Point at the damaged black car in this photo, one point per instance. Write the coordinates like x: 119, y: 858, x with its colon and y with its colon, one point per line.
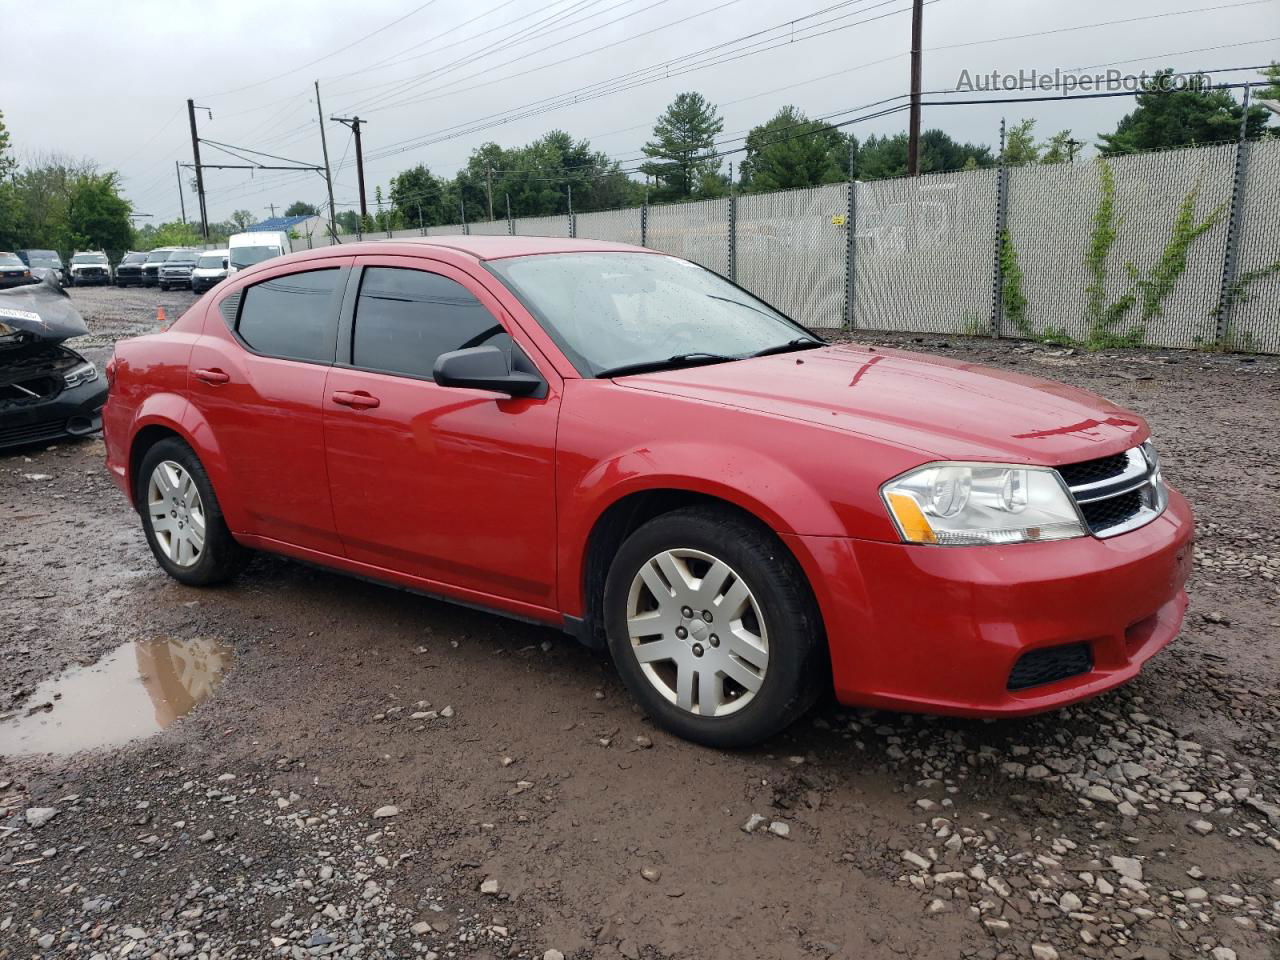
x: 47, y: 390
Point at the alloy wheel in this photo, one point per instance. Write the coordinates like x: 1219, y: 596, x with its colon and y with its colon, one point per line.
x: 698, y: 632
x: 176, y: 512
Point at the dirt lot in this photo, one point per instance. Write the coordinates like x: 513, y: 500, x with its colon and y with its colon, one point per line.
x: 537, y: 812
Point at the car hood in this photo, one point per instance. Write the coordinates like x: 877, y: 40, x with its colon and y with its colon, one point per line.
x: 43, y: 310
x: 945, y: 408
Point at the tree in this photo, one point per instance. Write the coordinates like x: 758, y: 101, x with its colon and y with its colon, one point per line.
x: 348, y: 221
x: 98, y: 217
x: 10, y: 207
x: 881, y: 157
x: 300, y: 208
x: 683, y: 138
x: 1173, y: 113
x: 242, y: 220
x: 174, y: 233
x: 790, y: 150
x: 1020, y: 145
x: 418, y: 194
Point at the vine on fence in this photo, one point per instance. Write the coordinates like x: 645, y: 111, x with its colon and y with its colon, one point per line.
x: 1148, y: 292
x: 1012, y: 300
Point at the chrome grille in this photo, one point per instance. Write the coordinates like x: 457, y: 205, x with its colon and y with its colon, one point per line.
x: 1118, y: 493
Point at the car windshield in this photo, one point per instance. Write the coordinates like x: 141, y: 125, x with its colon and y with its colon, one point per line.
x: 134, y: 258
x: 615, y: 313
x: 218, y: 262
x: 88, y: 258
x: 242, y: 257
x: 44, y: 258
x: 10, y: 260
x: 180, y: 258
x: 158, y: 256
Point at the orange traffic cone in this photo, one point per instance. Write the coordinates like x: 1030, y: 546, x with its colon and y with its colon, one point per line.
x: 160, y: 320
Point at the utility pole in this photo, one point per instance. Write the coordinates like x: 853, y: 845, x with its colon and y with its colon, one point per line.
x: 182, y: 201
x: 1072, y: 145
x: 328, y: 175
x: 272, y: 208
x: 354, y: 124
x: 488, y: 175
x: 913, y: 137
x: 195, y: 152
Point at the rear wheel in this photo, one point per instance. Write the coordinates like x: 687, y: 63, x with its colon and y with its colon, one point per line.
x: 182, y: 519
x: 713, y: 627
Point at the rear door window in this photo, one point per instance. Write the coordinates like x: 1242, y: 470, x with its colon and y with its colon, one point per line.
x: 406, y: 318
x: 292, y: 316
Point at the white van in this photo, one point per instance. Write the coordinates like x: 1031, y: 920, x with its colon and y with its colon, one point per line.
x: 246, y: 249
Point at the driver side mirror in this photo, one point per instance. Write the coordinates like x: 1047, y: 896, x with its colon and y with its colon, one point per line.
x: 483, y: 368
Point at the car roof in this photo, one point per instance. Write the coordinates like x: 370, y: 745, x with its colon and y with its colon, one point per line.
x: 475, y: 247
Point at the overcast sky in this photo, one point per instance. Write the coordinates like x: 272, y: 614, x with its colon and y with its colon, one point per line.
x: 109, y: 81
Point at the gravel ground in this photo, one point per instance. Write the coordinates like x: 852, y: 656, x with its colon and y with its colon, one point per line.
x: 381, y: 775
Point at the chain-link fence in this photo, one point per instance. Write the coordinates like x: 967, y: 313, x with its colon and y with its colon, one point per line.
x: 1178, y: 248
x: 697, y: 231
x: 491, y: 228
x: 1057, y: 214
x: 557, y: 226
x: 923, y: 254
x: 617, y: 226
x: 789, y: 249
x: 1252, y: 320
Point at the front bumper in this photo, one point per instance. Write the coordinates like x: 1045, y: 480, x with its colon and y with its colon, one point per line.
x: 90, y: 279
x: 75, y: 412
x: 940, y: 629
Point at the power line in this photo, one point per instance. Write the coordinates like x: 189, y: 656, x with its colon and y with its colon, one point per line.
x: 406, y: 85
x: 632, y: 79
x: 310, y: 63
x: 783, y: 28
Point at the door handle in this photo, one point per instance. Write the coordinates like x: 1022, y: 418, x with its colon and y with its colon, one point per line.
x: 212, y: 376
x: 355, y: 398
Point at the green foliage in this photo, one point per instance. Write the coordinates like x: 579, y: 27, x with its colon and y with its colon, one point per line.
x: 300, y: 208
x: 683, y: 138
x: 98, y: 217
x: 1149, y: 292
x: 174, y: 233
x: 1238, y: 290
x: 1013, y: 301
x: 348, y: 221
x: 1020, y: 145
x: 1101, y: 239
x: 790, y: 151
x: 419, y: 196
x: 242, y: 220
x: 879, y: 158
x: 1159, y: 283
x: 1196, y: 114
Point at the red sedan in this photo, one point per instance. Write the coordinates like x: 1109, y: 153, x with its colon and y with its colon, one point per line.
x: 622, y: 444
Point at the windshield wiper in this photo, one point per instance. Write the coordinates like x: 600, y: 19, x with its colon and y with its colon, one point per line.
x: 799, y: 343
x: 670, y: 363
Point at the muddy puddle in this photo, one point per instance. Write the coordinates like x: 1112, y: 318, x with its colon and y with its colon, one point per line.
x: 136, y: 690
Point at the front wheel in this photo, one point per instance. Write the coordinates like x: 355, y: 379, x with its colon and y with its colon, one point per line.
x: 713, y: 627
x: 182, y: 518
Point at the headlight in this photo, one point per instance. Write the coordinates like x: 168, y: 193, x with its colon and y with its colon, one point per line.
x: 1159, y: 490
x: 957, y: 504
x: 81, y: 373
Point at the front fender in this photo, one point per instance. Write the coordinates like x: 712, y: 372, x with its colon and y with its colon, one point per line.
x: 765, y: 488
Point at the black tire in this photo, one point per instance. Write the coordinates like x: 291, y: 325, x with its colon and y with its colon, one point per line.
x: 222, y: 558
x: 798, y: 665
x: 164, y: 287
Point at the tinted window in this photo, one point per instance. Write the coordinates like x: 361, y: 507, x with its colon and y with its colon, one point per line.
x: 291, y: 316
x: 407, y: 318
